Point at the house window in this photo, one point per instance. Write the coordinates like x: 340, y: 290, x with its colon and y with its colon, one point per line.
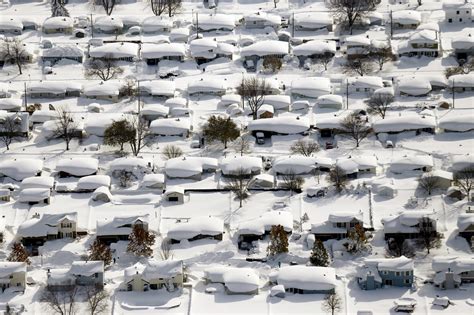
x: 397, y: 273
x: 457, y: 12
x: 18, y: 284
x: 66, y: 225
x: 385, y: 272
x: 129, y: 287
x: 407, y: 273
x: 173, y: 199
x: 460, y: 20
x: 96, y: 275
x: 407, y: 281
x: 153, y: 286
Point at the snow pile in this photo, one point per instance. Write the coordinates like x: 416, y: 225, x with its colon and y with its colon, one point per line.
x: 184, y: 167
x: 311, y: 87
x: 11, y: 104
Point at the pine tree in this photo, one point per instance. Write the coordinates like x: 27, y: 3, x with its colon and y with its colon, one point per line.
x: 18, y: 254
x: 278, y: 241
x: 358, y: 241
x: 100, y: 251
x: 319, y: 255
x: 140, y: 242
x: 220, y: 129
x: 58, y: 8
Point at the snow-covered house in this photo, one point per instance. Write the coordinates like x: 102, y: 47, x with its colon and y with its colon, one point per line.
x: 406, y: 19
x: 34, y: 196
x: 420, y: 43
x: 154, y: 111
x: 58, y: 24
x: 458, y: 11
x: 256, y: 229
x: 313, y: 21
x: 215, y: 22
x: 119, y: 51
x: 452, y: 271
x: 156, y: 24
x: 278, y: 102
x: 154, y: 275
x: 174, y: 194
x: 409, y: 163
x: 460, y: 162
x: 212, y: 86
x: 81, y: 273
x: 235, y: 280
x: 118, y: 228
x: 466, y: 227
x: 413, y: 85
x: 62, y: 52
x: 315, y: 49
x: 77, y: 167
x: 152, y: 54
x: 38, y: 182
x: 306, y: 279
x: 171, y: 127
x: 407, y: 224
x: 463, y: 47
x: 241, y: 165
x: 330, y: 101
x: 108, y: 24
x: 11, y: 25
x: 92, y: 182
x: 190, y: 167
x: 11, y: 104
x: 366, y: 84
x: 20, y: 127
x: 357, y: 46
x: 279, y: 126
x: 196, y: 228
x: 54, y: 89
x: 206, y: 49
x: 337, y: 226
x: 262, y: 20
x: 158, y: 88
x: 258, y: 51
x: 444, y: 179
x: 398, y: 124
x: 462, y: 82
x: 36, y: 231
x: 311, y: 87
x: 19, y: 169
x: 153, y: 181
x: 297, y: 164
x: 380, y: 272
x: 12, y: 276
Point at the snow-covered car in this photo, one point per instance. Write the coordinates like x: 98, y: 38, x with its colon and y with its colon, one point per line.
x: 389, y: 144
x: 260, y: 138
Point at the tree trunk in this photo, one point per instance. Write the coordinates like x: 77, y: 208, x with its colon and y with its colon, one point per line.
x: 19, y: 67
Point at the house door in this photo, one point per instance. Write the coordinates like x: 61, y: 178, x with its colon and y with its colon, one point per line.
x: 388, y: 282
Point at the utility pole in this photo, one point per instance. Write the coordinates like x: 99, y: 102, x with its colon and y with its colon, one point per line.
x: 197, y: 25
x: 25, y: 96
x: 138, y: 96
x: 92, y: 27
x: 293, y: 25
x: 453, y: 92
x: 347, y: 93
x: 391, y: 25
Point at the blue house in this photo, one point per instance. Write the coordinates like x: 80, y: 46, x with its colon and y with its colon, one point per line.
x: 382, y: 272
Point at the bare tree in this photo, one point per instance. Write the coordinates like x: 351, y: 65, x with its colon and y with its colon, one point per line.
x: 355, y: 128
x: 97, y: 300
x: 381, y: 55
x: 62, y: 301
x: 173, y: 7
x: 104, y: 68
x: 158, y: 7
x: 429, y: 238
x: 325, y: 59
x: 399, y: 246
x: 292, y: 182
x: 332, y: 303
x: 239, y: 185
x: 172, y: 151
x: 165, y: 6
x: 253, y: 90
x: 378, y: 104
x: 129, y: 88
x: 166, y: 250
x: 351, y: 11
x: 338, y: 178
x: 272, y: 63
x: 465, y: 68
x: 142, y: 133
x: 9, y: 129
x: 304, y: 147
x: 360, y: 66
x: 428, y: 183
x: 13, y: 50
x: 465, y: 180
x: 66, y: 126
x: 242, y: 145
x: 108, y: 5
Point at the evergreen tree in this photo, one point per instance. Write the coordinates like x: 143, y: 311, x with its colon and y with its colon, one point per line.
x: 141, y: 242
x: 278, y: 241
x: 319, y: 255
x: 358, y: 241
x: 18, y: 254
x: 58, y: 8
x: 119, y: 133
x: 220, y: 129
x: 100, y: 251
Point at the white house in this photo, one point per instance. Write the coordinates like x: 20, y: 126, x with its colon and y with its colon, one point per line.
x: 12, y: 276
x: 62, y: 52
x: 306, y: 279
x: 420, y: 43
x: 413, y: 85
x: 462, y: 82
x: 108, y: 90
x: 19, y: 169
x: 279, y: 125
x: 53, y: 89
x: 311, y: 87
x: 315, y: 49
x: 407, y: 224
x: 452, y: 271
x: 366, y: 84
x: 158, y: 88
x: 155, y: 275
x: 208, y: 85
x: 171, y: 127
x: 11, y: 25
x: 458, y: 11
x: 410, y: 163
x: 119, y: 228
x: 58, y: 24
x: 92, y: 182
x: 262, y: 20
x: 330, y: 101
x: 357, y: 46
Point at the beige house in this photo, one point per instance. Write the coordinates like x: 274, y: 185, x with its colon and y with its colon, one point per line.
x: 154, y: 276
x: 174, y: 194
x: 12, y: 275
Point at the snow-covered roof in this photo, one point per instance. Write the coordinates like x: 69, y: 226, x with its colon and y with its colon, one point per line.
x: 423, y: 36
x: 203, y: 47
x: 229, y: 99
x: 413, y: 85
x: 247, y: 164
x: 7, y: 268
x: 268, y: 18
x: 58, y: 22
x: 152, y: 51
x: 296, y: 164
x: 43, y: 115
x: 174, y: 190
x: 114, y: 50
x: 189, y: 166
x: 282, y: 125
x: 357, y: 40
x: 37, y: 182
x: 457, y: 120
x: 19, y: 169
x: 462, y: 80
x: 155, y: 110
x: 207, y: 85
x: 176, y: 102
x: 403, y: 123
x: 82, y: 166
x: 87, y: 268
x: 456, y: 4
x: 97, y: 123
x: 264, y: 48
x: 129, y: 164
x: 401, y: 263
x: 63, y: 51
x: 216, y: 21
x: 155, y: 24
x: 366, y: 82
x: 313, y: 19
x: 119, y: 225
x: 108, y: 23
x: 93, y: 182
x: 162, y: 269
x: 241, y: 280
x: 330, y: 99
x: 152, y: 179
x: 318, y: 47
x: 460, y: 162
x: 107, y: 88
x: 405, y: 222
x: 170, y: 126
x: 44, y: 225
x: 410, y: 163
x: 10, y: 24
x: 463, y: 42
x: 55, y: 87
x: 465, y: 220
x: 34, y: 194
x: 454, y: 263
x: 307, y: 277
x: 205, y: 225
x: 311, y: 86
x: 406, y: 17
x: 280, y: 101
x: 11, y: 104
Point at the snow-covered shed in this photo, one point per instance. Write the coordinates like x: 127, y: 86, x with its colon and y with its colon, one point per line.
x: 452, y: 271
x: 406, y: 19
x: 156, y: 24
x: 152, y: 54
x: 306, y: 279
x: 410, y: 163
x: 312, y: 87
x: 108, y: 24
x: 171, y: 127
x: 462, y: 82
x: 279, y: 125
x: 58, y: 24
x: 119, y: 228
x: 262, y: 20
x: 92, y: 182
x: 62, y: 52
x: 174, y: 194
x: 190, y: 167
x: 158, y: 88
x: 216, y: 22
x: 365, y: 84
x: 466, y: 227
x: 19, y: 169
x: 235, y: 280
x: 196, y: 228
x: 108, y: 90
x: 54, y: 89
x: 153, y: 181
x: 407, y: 224
x: 77, y: 167
x: 397, y: 124
x: 240, y: 165
x: 11, y: 25
x: 117, y: 50
x: 313, y: 21
x: 208, y: 85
